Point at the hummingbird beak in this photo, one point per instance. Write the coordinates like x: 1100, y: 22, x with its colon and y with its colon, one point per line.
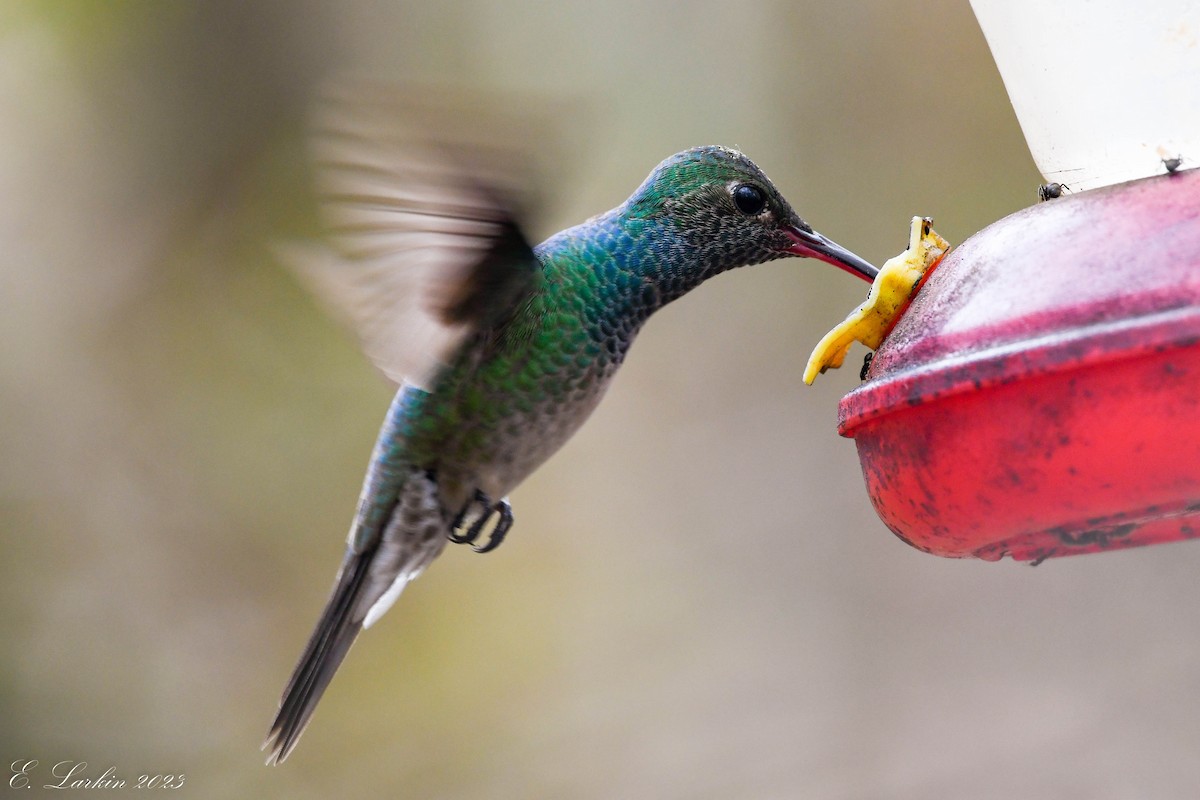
x: 810, y: 244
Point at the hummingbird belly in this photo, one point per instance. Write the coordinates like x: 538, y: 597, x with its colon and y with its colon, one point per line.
x: 493, y: 452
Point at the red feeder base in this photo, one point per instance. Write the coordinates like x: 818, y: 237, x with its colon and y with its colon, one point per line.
x: 1041, y: 395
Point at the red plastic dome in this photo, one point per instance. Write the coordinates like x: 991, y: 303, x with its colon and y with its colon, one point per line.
x: 1041, y: 395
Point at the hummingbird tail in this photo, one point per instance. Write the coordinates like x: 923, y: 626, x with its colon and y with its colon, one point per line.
x: 328, y: 645
x: 374, y: 572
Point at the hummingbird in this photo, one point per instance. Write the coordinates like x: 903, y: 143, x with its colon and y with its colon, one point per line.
x: 502, y: 349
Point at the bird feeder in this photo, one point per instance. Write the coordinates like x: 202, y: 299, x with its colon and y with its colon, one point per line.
x: 1041, y: 395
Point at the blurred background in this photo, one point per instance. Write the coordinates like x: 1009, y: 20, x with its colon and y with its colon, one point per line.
x: 697, y: 600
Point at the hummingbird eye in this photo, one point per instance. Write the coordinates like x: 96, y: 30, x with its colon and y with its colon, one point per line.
x: 749, y: 199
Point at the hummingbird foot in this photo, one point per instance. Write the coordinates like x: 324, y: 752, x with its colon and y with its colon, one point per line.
x: 504, y: 521
x: 470, y: 522
x: 467, y: 526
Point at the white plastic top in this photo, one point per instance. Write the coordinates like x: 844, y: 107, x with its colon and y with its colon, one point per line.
x: 1105, y: 90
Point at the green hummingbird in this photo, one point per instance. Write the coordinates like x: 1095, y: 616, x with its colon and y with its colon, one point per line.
x: 501, y: 349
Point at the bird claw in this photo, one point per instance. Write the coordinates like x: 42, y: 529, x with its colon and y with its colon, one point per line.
x: 504, y: 510
x: 472, y: 533
x: 501, y: 510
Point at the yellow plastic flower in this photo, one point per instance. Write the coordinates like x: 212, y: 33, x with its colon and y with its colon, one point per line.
x: 890, y: 294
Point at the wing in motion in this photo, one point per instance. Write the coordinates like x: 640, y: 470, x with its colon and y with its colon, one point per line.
x: 423, y: 246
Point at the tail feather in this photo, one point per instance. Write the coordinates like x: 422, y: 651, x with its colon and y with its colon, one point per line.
x: 373, y: 573
x: 328, y: 645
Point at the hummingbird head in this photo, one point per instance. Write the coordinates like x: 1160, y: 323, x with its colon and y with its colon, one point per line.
x: 717, y: 210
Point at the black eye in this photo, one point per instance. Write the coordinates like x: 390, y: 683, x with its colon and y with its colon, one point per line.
x: 748, y: 199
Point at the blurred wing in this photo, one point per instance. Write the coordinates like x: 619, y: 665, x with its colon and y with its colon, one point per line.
x: 422, y: 245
